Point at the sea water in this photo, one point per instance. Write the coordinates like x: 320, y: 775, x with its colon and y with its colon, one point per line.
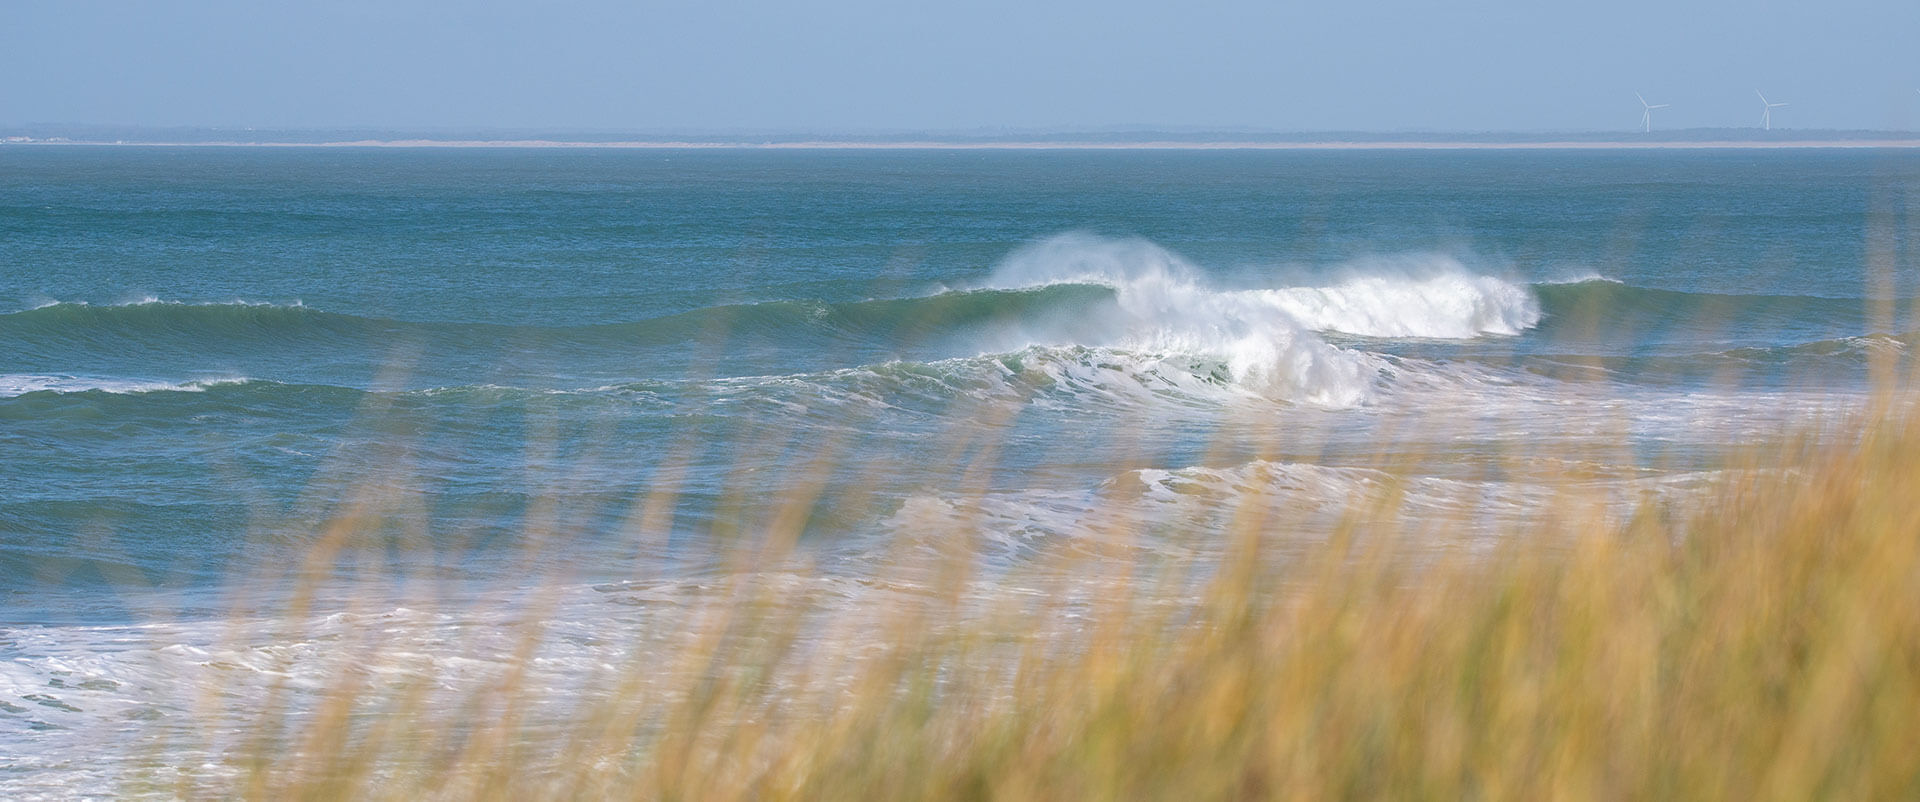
x: 211, y: 356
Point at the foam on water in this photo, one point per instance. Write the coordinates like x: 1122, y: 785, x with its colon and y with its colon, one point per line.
x: 18, y: 384
x: 1579, y: 277
x: 129, y: 710
x: 1161, y: 510
x: 1070, y: 377
x: 1266, y: 337
x: 1406, y: 295
x: 155, y: 300
x: 1444, y: 303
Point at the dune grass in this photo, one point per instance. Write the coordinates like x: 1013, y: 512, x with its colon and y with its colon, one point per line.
x: 1758, y: 641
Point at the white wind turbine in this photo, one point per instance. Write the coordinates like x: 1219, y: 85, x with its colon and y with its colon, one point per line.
x: 1766, y: 114
x: 1646, y: 112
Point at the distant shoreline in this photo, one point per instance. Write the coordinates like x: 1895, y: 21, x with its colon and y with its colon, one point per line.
x: 1857, y: 144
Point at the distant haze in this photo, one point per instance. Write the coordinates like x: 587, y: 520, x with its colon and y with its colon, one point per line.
x: 868, y: 65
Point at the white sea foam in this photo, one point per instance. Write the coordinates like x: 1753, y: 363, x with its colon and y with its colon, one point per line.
x: 18, y: 384
x: 155, y: 300
x: 1438, y: 299
x: 1265, y: 336
x: 1579, y: 277
x: 1406, y: 295
x: 151, y: 300
x: 86, y: 710
x: 1159, y: 510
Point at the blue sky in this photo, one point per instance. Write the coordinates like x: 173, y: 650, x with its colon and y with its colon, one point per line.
x: 869, y: 65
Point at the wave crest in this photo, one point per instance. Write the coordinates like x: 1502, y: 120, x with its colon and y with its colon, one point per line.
x: 1409, y: 295
x: 19, y: 384
x: 1267, y: 337
x: 1450, y: 303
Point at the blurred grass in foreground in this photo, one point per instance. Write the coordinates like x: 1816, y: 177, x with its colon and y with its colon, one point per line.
x: 1761, y: 641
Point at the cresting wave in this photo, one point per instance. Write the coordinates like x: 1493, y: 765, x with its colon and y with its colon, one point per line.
x: 13, y: 385
x: 1074, y: 317
x: 1266, y: 337
x: 1406, y: 296
x: 1599, y: 305
x: 1087, y: 303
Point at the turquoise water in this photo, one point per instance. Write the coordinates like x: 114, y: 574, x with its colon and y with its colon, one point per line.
x: 193, y: 338
x: 207, y: 353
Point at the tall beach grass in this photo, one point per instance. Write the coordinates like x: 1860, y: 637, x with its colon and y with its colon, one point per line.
x: 1758, y: 640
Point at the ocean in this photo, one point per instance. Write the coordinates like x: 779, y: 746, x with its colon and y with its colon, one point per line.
x: 610, y: 370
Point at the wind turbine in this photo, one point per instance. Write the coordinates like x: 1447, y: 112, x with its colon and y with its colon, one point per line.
x: 1766, y: 114
x: 1646, y: 112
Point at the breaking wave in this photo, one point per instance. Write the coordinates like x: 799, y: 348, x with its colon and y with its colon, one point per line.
x: 1267, y: 338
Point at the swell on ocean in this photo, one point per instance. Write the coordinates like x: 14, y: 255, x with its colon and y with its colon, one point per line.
x: 724, y: 469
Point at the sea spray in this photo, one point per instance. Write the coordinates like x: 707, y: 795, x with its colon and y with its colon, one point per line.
x: 1266, y: 337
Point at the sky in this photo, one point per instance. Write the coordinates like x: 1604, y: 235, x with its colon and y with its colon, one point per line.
x: 825, y: 66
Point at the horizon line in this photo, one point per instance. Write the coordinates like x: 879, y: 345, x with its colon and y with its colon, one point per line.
x: 1907, y: 142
